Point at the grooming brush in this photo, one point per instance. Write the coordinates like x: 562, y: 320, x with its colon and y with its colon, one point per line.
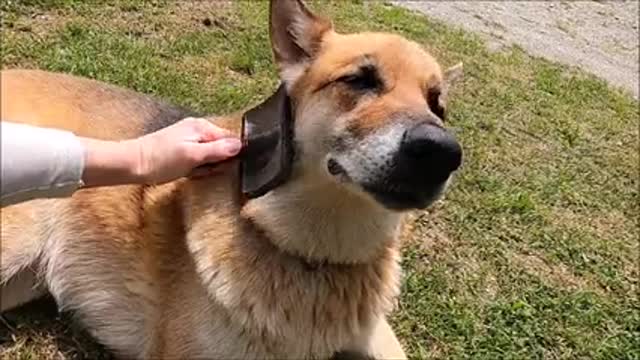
x: 267, y: 151
x: 267, y: 136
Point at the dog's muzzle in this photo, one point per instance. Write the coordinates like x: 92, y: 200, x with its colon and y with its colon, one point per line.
x: 420, y: 169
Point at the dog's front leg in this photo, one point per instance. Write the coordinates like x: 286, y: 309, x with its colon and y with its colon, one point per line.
x: 381, y: 344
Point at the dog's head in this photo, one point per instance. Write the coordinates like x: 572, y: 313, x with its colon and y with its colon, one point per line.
x: 369, y: 109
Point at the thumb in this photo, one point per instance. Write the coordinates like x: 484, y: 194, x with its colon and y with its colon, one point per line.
x: 219, y: 150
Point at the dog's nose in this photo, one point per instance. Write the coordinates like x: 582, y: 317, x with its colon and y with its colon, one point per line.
x: 431, y: 151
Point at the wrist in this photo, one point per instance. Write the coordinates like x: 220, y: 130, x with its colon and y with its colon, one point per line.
x: 112, y: 162
x: 133, y: 164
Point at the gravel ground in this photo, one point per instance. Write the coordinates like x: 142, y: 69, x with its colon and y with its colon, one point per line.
x: 598, y: 36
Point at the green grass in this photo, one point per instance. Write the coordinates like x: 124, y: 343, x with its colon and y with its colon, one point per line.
x: 534, y: 252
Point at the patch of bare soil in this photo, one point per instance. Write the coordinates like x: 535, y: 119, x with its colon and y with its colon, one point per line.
x: 557, y: 274
x: 601, y: 37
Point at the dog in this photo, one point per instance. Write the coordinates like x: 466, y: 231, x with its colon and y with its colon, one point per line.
x: 309, y: 270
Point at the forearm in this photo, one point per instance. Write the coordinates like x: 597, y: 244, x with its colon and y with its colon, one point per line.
x: 39, y: 163
x: 48, y: 163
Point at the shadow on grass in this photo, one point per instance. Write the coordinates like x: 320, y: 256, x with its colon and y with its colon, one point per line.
x: 38, y: 331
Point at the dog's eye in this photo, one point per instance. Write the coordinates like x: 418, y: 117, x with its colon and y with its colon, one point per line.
x: 433, y: 100
x: 365, y: 79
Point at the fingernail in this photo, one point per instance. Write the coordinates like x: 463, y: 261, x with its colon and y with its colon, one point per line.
x: 232, y: 146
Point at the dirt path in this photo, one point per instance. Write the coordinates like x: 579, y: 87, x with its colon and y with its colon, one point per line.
x: 598, y: 36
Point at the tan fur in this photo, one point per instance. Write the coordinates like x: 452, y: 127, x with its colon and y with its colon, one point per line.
x: 186, y: 270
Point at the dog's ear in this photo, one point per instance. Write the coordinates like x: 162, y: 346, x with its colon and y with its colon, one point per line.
x: 296, y: 35
x: 452, y: 76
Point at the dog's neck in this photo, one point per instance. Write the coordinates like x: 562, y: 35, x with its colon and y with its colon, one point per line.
x: 323, y: 223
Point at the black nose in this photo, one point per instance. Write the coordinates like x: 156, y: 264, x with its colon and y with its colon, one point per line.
x: 431, y: 151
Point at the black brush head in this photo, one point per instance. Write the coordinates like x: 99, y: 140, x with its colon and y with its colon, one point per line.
x: 267, y: 136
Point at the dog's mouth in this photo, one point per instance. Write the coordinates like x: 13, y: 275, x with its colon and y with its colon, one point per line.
x: 393, y: 195
x: 400, y: 200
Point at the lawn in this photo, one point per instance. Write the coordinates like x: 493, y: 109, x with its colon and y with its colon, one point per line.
x: 533, y: 254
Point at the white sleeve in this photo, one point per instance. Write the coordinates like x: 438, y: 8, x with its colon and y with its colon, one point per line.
x: 38, y: 162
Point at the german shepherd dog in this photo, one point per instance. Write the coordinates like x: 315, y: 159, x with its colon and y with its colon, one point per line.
x: 186, y: 270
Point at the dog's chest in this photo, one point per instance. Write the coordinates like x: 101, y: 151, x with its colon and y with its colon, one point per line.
x: 276, y: 305
x: 282, y: 307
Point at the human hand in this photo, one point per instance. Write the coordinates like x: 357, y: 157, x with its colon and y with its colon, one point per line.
x: 176, y: 151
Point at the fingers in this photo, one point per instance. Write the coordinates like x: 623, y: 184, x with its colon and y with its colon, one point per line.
x: 212, y: 132
x: 219, y: 150
x: 213, y: 153
x: 206, y: 130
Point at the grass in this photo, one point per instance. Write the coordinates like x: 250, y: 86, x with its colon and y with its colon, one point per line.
x: 534, y: 251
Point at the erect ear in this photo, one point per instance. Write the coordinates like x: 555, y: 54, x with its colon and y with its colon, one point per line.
x: 296, y: 35
x: 452, y: 76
